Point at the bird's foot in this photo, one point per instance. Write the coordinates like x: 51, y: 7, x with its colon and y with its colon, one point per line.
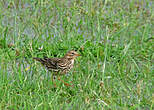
x: 66, y: 84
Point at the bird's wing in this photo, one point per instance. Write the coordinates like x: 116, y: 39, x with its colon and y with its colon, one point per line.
x: 51, y: 63
x: 63, y: 64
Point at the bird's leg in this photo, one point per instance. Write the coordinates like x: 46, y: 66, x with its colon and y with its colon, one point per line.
x: 67, y: 75
x: 66, y: 84
x: 53, y: 80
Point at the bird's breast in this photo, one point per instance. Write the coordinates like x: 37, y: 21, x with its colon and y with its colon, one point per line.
x: 72, y: 63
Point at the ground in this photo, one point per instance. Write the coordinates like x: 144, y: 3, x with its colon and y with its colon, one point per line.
x: 114, y: 37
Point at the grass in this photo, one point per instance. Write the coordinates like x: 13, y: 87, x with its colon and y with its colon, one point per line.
x: 115, y: 39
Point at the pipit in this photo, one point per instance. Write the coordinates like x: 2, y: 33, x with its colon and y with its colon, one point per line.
x: 61, y: 65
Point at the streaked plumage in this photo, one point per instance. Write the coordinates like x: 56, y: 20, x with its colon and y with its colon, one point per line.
x: 59, y: 65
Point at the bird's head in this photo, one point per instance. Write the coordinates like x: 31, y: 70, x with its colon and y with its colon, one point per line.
x: 71, y: 54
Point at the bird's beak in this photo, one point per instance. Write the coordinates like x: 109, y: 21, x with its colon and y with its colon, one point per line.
x: 78, y: 55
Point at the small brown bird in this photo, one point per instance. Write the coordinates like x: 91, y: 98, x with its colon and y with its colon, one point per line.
x: 59, y: 65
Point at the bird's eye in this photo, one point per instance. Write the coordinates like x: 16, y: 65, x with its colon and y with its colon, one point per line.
x: 72, y: 53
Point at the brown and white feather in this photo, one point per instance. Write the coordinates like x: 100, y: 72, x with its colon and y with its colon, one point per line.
x: 60, y: 65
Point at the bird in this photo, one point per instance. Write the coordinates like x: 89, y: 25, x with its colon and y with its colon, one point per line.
x: 59, y: 66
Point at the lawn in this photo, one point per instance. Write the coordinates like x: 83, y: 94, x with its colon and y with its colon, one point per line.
x: 114, y: 37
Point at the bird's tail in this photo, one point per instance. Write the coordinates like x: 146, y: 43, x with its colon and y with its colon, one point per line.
x: 37, y: 59
x: 43, y: 61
